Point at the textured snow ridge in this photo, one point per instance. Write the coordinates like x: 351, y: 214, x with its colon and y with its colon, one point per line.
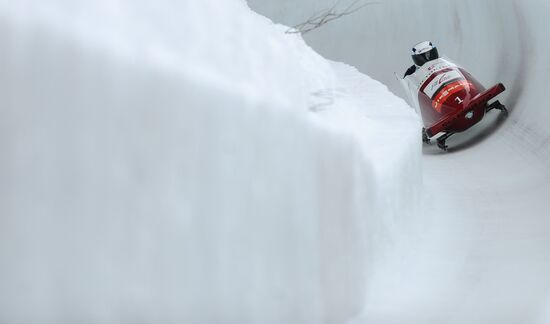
x: 189, y: 162
x: 479, y: 252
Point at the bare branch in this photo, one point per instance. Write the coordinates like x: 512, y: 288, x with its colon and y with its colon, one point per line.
x: 325, y: 16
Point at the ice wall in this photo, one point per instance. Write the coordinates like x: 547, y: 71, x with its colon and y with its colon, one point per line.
x: 481, y: 253
x: 188, y: 162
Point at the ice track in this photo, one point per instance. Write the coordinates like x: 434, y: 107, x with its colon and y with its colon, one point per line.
x: 481, y: 252
x: 190, y: 162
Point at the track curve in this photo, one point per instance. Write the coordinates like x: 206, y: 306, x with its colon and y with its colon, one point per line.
x: 481, y: 252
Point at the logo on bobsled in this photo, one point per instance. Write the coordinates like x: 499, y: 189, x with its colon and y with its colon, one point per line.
x: 440, y: 81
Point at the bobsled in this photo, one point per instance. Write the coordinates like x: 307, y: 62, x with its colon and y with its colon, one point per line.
x: 449, y: 99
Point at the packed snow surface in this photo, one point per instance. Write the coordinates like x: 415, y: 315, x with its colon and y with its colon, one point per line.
x: 189, y: 162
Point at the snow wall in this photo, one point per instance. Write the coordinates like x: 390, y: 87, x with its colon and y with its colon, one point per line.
x: 484, y: 255
x: 181, y: 162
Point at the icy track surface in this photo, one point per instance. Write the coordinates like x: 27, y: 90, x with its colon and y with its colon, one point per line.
x: 189, y: 162
x: 481, y: 248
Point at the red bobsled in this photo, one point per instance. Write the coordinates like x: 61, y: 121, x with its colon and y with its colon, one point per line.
x: 449, y: 99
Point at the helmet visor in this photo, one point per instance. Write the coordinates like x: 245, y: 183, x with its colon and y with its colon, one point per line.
x: 421, y: 59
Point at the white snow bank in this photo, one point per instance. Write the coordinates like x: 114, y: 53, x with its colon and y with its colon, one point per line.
x: 188, y: 162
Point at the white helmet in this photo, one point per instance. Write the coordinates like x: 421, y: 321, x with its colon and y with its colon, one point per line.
x: 424, y: 52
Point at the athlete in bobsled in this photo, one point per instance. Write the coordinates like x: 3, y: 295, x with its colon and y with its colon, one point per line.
x: 447, y: 97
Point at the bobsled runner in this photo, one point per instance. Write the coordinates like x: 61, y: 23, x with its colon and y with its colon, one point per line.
x: 448, y: 98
